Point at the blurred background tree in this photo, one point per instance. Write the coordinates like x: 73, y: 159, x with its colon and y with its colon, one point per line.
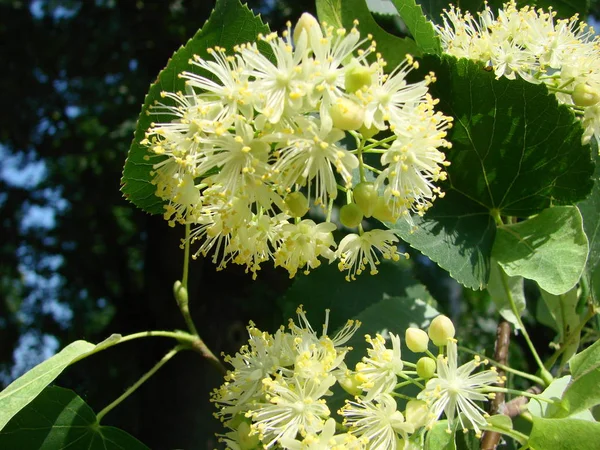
x: 77, y: 261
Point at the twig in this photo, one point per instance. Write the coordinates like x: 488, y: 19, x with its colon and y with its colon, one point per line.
x: 490, y: 439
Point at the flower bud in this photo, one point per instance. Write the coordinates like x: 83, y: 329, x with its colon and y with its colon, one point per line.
x: 426, y: 367
x: 180, y: 293
x: 416, y: 340
x: 368, y: 133
x: 382, y: 212
x: 585, y: 95
x: 365, y: 196
x: 351, y: 215
x: 417, y: 413
x: 440, y: 330
x: 350, y: 383
x: 357, y: 76
x: 347, y: 114
x: 297, y: 204
x: 187, y: 193
x: 247, y: 441
x: 308, y: 23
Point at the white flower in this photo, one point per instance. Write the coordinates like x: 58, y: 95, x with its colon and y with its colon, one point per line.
x: 243, y: 384
x: 241, y: 160
x: 295, y: 405
x: 231, y: 93
x: 532, y: 45
x: 357, y: 251
x: 281, y: 86
x: 377, y: 421
x: 454, y: 390
x: 377, y: 373
x: 316, y: 356
x: 390, y: 98
x: 303, y: 244
x: 312, y: 157
x: 326, y: 440
x: 413, y: 164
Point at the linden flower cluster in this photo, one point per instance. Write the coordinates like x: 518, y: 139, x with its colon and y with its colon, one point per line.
x: 277, y: 394
x: 563, y: 54
x: 255, y: 140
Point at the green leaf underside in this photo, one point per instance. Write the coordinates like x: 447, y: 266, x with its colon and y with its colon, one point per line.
x: 563, y: 311
x: 23, y: 390
x: 590, y: 211
x: 555, y: 392
x: 586, y: 361
x: 564, y: 434
x: 583, y: 393
x: 421, y: 29
x: 229, y: 24
x: 59, y: 419
x: 438, y: 437
x: 343, y: 13
x: 550, y: 248
x: 515, y: 150
x: 499, y: 296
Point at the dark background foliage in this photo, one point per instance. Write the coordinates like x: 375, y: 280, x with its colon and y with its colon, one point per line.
x: 77, y: 261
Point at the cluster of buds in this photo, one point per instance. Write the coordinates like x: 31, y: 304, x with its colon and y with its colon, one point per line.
x: 255, y: 142
x: 531, y: 44
x: 277, y: 394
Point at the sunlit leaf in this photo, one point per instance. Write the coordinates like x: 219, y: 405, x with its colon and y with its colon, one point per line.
x: 420, y: 28
x: 550, y: 248
x: 515, y: 152
x: 564, y: 434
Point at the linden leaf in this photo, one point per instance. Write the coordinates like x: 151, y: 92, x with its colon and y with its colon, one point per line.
x: 421, y: 29
x: 564, y: 434
x: 515, y: 152
x: 343, y: 13
x: 590, y: 211
x: 27, y: 387
x: 550, y: 248
x: 59, y: 419
x: 229, y: 24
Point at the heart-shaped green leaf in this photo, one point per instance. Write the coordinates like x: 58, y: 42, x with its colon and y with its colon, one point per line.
x: 59, y: 419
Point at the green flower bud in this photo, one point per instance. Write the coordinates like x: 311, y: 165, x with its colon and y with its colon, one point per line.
x: 382, y: 212
x: 365, y: 196
x: 180, y: 293
x: 416, y: 340
x: 585, y: 95
x: 426, y: 367
x: 357, y: 76
x: 351, y: 215
x: 297, y: 204
x: 440, y: 330
x: 417, y: 412
x: 307, y: 23
x: 247, y: 441
x: 368, y: 133
x: 346, y: 114
x: 349, y: 383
